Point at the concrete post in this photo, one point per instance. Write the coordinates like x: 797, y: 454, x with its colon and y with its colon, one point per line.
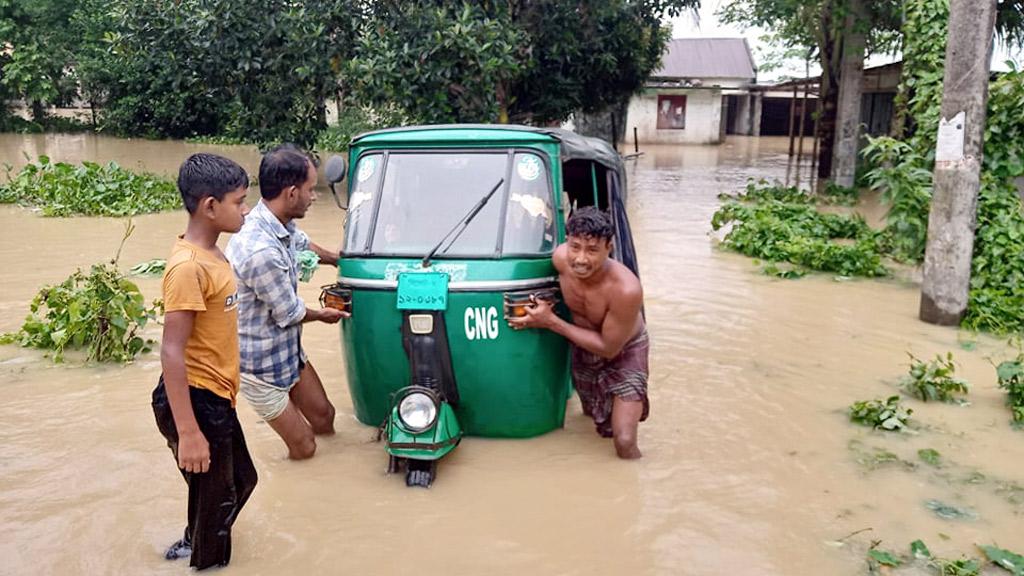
x: 957, y: 177
x: 851, y: 82
x: 756, y: 120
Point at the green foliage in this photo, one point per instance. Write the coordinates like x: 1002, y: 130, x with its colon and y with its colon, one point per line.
x: 905, y: 183
x: 61, y: 189
x: 886, y: 414
x: 919, y: 551
x: 799, y: 234
x: 919, y: 97
x: 101, y: 312
x: 257, y: 71
x: 355, y: 120
x: 528, y: 62
x: 1010, y: 375
x: 153, y: 267
x: 961, y: 567
x: 439, y: 62
x: 930, y: 456
x: 884, y: 558
x: 935, y: 380
x: 1005, y: 559
x: 762, y: 190
x: 996, y: 300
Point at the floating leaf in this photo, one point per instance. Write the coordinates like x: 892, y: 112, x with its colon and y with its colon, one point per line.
x: 884, y: 558
x: 1005, y: 559
x: 919, y: 550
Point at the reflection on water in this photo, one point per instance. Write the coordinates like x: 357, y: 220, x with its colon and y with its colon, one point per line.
x: 748, y: 466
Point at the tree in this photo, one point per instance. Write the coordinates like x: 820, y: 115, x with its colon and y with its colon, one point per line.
x: 824, y: 28
x: 532, y: 61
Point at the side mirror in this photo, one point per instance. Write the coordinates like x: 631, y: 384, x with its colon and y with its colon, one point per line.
x: 335, y: 170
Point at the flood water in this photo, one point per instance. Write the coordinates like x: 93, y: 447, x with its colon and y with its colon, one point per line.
x: 750, y: 464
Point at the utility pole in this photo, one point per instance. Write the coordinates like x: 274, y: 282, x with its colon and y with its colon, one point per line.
x: 851, y: 81
x: 958, y: 156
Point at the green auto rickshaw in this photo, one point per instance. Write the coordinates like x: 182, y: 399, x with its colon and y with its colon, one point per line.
x: 450, y: 229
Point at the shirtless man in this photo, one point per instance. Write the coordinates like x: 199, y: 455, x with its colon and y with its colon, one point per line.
x: 607, y: 333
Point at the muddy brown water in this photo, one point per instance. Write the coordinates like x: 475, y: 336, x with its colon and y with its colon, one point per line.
x: 750, y: 465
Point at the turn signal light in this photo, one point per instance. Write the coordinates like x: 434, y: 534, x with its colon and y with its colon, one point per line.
x: 334, y: 296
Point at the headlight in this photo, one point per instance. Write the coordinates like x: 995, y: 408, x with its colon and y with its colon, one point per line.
x: 417, y: 411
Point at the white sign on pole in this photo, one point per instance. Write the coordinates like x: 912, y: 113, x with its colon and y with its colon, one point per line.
x: 950, y: 145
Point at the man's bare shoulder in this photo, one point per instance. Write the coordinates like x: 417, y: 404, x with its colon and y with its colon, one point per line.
x: 626, y: 284
x: 560, y: 258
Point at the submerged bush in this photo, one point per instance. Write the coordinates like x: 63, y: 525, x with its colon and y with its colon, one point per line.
x: 61, y: 189
x: 886, y: 414
x: 935, y: 380
x: 100, y: 312
x: 799, y: 234
x: 1010, y: 375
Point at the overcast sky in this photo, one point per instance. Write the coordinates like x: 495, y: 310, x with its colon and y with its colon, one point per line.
x: 708, y: 26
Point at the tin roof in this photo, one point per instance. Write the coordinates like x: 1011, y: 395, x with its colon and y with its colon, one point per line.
x: 707, y: 58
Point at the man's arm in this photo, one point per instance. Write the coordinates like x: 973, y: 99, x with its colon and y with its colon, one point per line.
x: 267, y: 274
x: 326, y: 256
x: 617, y: 328
x: 193, y: 449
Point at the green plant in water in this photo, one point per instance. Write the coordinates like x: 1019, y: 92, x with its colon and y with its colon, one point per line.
x: 61, y: 189
x: 935, y: 380
x: 961, y: 567
x: 101, y: 312
x: 797, y: 233
x: 930, y: 457
x: 1010, y: 375
x: 884, y: 558
x: 154, y: 267
x: 886, y: 414
x: 1005, y: 559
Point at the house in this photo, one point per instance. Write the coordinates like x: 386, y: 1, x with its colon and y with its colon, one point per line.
x: 698, y: 95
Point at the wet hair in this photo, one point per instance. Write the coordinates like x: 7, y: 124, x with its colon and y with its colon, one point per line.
x: 203, y: 175
x: 590, y: 222
x: 281, y: 167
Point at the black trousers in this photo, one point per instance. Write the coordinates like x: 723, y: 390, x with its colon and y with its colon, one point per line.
x: 214, y: 497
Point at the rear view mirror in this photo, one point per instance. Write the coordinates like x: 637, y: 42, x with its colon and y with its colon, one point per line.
x: 334, y: 171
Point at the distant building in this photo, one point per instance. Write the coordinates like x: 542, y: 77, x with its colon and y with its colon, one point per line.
x: 700, y: 94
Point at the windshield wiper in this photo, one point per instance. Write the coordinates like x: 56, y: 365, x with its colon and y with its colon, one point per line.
x: 464, y: 223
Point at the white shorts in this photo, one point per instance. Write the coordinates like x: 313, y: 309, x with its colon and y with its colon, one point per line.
x: 267, y: 400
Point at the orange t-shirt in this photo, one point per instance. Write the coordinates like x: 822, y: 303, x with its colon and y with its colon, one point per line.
x: 201, y: 281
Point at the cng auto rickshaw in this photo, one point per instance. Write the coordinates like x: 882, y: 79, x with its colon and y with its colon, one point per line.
x: 450, y: 229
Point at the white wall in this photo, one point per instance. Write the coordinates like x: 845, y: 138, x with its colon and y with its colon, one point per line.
x: 703, y: 117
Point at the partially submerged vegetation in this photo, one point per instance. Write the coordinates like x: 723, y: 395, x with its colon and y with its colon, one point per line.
x: 100, y: 312
x: 934, y: 380
x: 1010, y: 377
x: 780, y: 224
x: 888, y: 414
x: 89, y: 189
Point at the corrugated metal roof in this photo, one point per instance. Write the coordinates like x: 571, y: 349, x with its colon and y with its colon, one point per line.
x: 707, y: 58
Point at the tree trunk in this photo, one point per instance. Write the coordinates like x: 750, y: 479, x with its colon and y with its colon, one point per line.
x: 828, y: 92
x: 957, y: 176
x: 851, y: 80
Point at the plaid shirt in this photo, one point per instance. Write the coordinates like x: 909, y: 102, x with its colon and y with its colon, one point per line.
x: 263, y: 255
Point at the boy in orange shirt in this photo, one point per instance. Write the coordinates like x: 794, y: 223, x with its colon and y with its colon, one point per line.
x: 194, y: 402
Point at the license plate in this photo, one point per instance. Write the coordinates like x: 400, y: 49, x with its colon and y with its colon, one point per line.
x: 423, y: 291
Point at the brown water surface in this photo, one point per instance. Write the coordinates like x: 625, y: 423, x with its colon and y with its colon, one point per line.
x: 750, y: 465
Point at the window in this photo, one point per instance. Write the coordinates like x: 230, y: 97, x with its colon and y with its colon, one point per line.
x: 529, y: 220
x: 671, y: 112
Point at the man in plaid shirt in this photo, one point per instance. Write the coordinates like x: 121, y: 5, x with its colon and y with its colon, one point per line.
x: 277, y: 379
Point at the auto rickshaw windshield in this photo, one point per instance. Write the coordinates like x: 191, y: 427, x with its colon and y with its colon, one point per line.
x: 417, y: 196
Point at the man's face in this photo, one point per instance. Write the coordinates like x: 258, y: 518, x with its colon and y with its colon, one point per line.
x: 587, y: 255
x: 305, y: 193
x: 229, y: 213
